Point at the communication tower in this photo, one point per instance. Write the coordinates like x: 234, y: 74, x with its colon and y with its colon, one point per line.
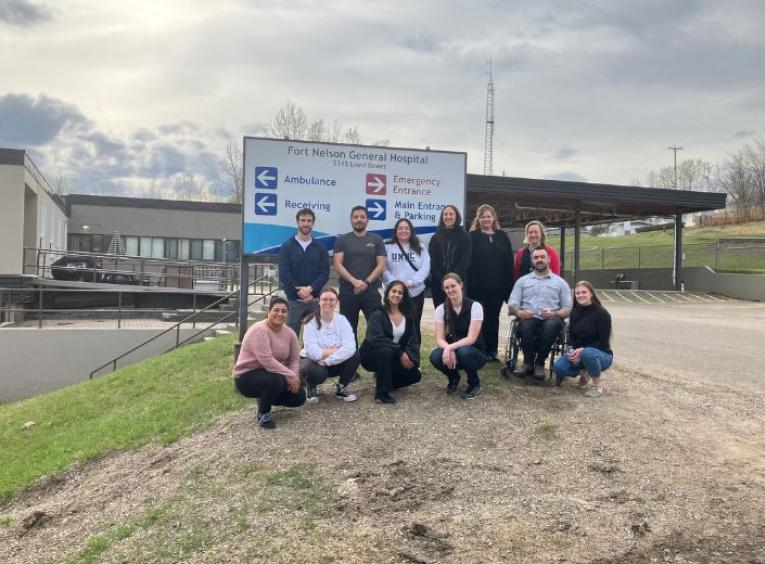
x: 488, y: 147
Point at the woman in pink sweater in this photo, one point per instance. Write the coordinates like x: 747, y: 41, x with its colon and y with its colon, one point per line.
x: 268, y: 363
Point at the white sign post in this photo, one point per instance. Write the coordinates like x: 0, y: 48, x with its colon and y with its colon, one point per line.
x: 281, y: 177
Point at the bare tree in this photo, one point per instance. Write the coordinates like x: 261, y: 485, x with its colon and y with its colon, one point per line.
x: 692, y: 174
x: 232, y: 169
x: 62, y: 185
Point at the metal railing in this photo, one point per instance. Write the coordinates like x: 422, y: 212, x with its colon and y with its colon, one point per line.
x: 177, y: 327
x: 136, y: 270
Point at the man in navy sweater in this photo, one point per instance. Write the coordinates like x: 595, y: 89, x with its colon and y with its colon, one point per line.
x: 303, y: 270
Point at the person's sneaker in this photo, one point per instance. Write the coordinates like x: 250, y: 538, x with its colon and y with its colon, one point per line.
x: 471, y: 392
x: 342, y: 393
x: 451, y: 387
x: 311, y: 396
x: 265, y: 421
x: 525, y: 371
x: 594, y: 392
x: 539, y: 372
x: 385, y: 398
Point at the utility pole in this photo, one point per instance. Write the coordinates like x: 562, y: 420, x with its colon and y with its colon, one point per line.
x: 675, y: 149
x: 488, y: 147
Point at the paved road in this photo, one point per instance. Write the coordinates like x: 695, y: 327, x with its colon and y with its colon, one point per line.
x: 668, y: 334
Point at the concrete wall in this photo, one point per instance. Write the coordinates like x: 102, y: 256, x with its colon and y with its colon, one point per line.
x: 742, y: 286
x: 147, y: 222
x: 11, y: 218
x: 70, y: 355
x: 696, y: 279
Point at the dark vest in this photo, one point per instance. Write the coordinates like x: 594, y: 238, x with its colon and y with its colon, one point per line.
x: 458, y: 328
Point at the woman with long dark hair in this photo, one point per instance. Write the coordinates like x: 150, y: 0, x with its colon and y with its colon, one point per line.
x: 267, y: 366
x: 491, y: 272
x: 407, y: 261
x: 449, y: 250
x: 589, y: 341
x: 459, y: 345
x: 391, y: 348
x: 329, y: 349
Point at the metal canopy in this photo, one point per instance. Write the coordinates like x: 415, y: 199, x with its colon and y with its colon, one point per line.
x: 555, y: 202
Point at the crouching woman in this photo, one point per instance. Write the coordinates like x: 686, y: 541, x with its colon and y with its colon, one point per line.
x: 459, y: 344
x: 589, y: 341
x: 329, y: 349
x: 268, y: 364
x: 391, y: 348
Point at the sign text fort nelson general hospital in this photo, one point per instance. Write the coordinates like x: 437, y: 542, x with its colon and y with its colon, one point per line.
x: 281, y: 177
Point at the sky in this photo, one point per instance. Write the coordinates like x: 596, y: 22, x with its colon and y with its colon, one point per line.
x: 123, y: 98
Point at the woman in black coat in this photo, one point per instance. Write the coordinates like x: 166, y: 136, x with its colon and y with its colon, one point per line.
x: 449, y: 250
x: 491, y: 272
x: 391, y: 348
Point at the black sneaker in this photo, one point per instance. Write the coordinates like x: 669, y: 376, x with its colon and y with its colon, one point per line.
x: 471, y: 392
x: 385, y: 398
x: 311, y: 396
x: 451, y: 387
x: 342, y: 393
x: 265, y: 421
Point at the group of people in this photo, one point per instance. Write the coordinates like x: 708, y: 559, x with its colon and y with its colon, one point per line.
x: 470, y: 274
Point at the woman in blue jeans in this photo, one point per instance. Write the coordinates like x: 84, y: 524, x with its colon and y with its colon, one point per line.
x: 589, y: 340
x: 459, y: 344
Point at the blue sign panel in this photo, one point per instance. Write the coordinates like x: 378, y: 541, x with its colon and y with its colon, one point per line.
x: 266, y: 176
x: 265, y: 203
x: 376, y: 209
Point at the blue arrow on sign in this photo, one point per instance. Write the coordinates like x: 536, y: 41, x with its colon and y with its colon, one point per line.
x: 266, y: 176
x: 265, y: 204
x: 376, y: 209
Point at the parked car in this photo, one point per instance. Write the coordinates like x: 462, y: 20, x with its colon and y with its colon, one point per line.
x: 77, y: 268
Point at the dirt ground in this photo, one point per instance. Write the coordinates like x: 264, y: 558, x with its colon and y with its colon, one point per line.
x: 666, y: 467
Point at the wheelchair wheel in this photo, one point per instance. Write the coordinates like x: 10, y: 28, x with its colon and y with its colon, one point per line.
x: 511, y: 351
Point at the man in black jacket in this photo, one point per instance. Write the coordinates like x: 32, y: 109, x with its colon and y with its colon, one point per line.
x: 303, y: 270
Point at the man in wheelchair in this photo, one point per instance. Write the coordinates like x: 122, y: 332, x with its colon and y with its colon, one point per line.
x: 541, y: 300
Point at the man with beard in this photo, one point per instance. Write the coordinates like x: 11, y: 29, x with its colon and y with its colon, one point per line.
x: 303, y: 270
x: 359, y: 261
x: 541, y: 300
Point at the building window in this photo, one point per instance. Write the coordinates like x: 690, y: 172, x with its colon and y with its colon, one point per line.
x: 145, y: 248
x: 171, y: 248
x: 196, y: 249
x: 131, y: 246
x: 208, y: 249
x: 184, y: 249
x: 157, y: 247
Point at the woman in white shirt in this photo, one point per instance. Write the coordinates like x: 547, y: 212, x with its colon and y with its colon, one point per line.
x: 391, y: 348
x: 459, y: 344
x: 409, y: 262
x: 329, y: 349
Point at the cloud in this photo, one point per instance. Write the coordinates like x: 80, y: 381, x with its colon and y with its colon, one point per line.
x: 23, y: 13
x: 565, y: 153
x: 28, y: 121
x: 567, y: 176
x: 742, y: 134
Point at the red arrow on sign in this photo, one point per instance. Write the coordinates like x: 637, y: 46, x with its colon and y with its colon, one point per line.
x: 376, y: 184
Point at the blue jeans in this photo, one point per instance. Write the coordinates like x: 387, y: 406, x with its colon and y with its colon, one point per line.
x: 591, y: 359
x: 469, y: 359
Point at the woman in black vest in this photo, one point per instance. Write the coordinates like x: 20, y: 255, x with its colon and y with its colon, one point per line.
x: 391, y: 348
x: 459, y: 345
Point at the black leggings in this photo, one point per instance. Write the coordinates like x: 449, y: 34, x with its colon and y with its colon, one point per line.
x: 385, y: 362
x: 269, y: 388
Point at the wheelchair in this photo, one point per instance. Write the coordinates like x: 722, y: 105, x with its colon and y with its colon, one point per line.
x: 513, y: 348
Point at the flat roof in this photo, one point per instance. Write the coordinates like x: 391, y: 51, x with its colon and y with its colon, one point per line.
x: 554, y: 202
x: 517, y: 200
x: 150, y: 203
